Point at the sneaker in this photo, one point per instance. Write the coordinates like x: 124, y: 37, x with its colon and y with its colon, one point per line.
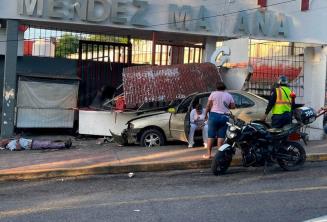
x: 190, y: 145
x: 205, y: 145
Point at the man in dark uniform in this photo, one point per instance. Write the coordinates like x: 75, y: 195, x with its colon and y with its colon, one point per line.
x: 280, y: 103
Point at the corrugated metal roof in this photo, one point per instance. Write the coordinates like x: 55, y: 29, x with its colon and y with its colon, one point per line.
x: 166, y: 83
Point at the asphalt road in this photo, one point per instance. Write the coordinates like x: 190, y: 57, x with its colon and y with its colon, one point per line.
x: 241, y: 195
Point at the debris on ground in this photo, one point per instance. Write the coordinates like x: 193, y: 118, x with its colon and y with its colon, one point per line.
x: 101, y: 141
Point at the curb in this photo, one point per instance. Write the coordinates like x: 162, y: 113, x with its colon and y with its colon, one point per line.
x: 152, y: 167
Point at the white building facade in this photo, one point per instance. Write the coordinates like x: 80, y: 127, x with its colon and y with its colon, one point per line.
x: 207, y: 21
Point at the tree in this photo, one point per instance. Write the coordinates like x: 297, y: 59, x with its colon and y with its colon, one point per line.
x: 107, y: 38
x: 67, y: 45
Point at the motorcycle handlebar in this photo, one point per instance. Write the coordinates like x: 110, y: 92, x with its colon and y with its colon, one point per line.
x: 321, y: 112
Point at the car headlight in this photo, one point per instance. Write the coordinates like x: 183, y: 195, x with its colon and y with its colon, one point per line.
x: 130, y: 126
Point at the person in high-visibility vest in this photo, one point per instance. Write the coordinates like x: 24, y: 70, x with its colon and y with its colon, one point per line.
x: 281, y: 103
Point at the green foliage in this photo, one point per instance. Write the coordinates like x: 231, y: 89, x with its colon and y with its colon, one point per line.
x: 103, y: 38
x: 67, y: 45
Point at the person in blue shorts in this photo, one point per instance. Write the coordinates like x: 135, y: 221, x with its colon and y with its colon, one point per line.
x: 218, y: 106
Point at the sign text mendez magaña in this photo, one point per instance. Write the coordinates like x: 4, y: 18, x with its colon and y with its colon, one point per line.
x: 183, y: 18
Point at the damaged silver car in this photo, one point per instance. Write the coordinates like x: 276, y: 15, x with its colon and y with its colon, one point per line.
x: 156, y: 128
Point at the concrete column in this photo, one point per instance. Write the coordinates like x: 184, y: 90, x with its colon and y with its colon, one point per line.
x: 210, y: 47
x: 315, y: 69
x: 10, y: 78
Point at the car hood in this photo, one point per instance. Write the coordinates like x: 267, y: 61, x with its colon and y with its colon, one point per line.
x: 147, y: 115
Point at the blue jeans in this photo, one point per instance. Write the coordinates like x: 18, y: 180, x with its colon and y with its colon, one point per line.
x: 325, y: 129
x: 217, y: 125
x: 281, y: 120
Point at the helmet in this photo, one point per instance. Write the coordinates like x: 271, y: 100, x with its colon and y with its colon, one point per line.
x: 282, y: 80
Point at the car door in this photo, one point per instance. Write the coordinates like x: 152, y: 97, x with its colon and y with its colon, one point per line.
x: 178, y: 119
x: 201, y: 99
x: 246, y: 108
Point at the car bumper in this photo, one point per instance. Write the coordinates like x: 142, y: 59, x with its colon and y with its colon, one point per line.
x: 128, y: 136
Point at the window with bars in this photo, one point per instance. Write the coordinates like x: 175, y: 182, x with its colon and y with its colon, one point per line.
x: 272, y: 59
x: 47, y: 42
x: 54, y: 43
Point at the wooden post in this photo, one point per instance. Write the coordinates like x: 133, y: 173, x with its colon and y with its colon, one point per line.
x: 154, y: 47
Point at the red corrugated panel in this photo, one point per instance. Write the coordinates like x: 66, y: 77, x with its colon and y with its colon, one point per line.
x: 262, y: 3
x: 266, y: 73
x: 305, y: 5
x: 28, y: 47
x: 166, y: 83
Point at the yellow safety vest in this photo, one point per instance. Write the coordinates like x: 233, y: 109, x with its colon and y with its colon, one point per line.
x: 283, y: 100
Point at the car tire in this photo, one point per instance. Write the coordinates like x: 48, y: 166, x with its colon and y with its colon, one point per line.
x: 152, y: 138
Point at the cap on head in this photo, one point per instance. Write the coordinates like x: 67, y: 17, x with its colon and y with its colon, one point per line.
x: 282, y: 80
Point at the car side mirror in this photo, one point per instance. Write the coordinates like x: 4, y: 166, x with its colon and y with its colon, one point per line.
x: 172, y: 110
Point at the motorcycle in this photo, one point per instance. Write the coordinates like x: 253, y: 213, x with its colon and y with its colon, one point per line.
x: 261, y: 145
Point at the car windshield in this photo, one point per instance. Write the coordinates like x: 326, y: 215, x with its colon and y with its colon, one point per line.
x: 175, y: 103
x: 242, y: 101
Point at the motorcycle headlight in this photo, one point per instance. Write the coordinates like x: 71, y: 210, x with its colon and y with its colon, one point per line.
x: 232, y: 128
x: 231, y: 135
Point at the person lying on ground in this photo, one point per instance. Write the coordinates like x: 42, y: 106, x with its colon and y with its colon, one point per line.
x: 19, y: 144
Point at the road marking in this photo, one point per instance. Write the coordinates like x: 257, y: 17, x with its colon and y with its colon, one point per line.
x: 35, y: 209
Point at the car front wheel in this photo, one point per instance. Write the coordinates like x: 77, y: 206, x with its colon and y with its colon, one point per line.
x: 152, y: 138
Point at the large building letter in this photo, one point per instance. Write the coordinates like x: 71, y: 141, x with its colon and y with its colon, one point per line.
x: 138, y: 19
x: 203, y: 22
x: 242, y: 24
x: 80, y: 7
x: 179, y: 18
x: 119, y: 12
x: 94, y: 15
x: 262, y: 23
x: 30, y: 6
x: 281, y: 27
x: 56, y: 8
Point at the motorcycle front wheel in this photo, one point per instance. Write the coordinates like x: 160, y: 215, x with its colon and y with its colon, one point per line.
x: 221, y: 162
x: 295, y: 156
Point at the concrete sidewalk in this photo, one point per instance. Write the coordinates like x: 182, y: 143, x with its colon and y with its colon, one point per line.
x: 88, y: 158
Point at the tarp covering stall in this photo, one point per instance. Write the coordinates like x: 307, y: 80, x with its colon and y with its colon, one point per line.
x: 44, y: 103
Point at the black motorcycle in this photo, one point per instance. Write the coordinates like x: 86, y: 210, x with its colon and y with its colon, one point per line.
x: 261, y: 145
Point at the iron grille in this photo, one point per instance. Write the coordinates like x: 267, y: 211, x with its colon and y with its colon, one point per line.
x: 272, y: 59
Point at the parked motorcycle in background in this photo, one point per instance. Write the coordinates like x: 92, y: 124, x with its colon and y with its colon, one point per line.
x: 261, y: 145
